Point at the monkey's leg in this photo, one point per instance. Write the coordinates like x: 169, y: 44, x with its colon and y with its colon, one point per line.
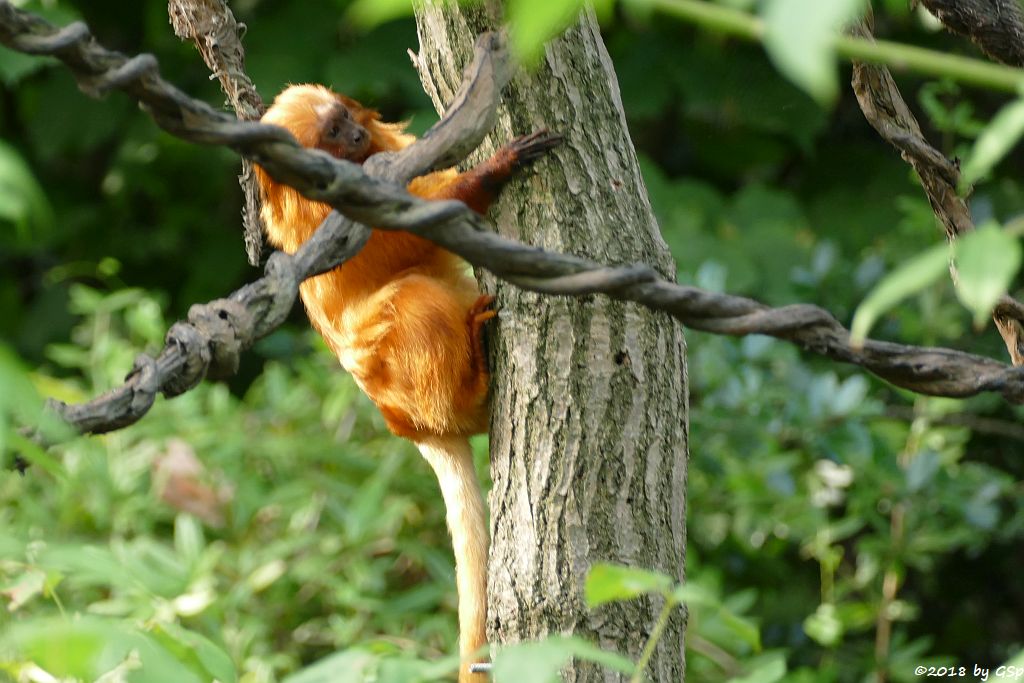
x: 451, y: 458
x: 425, y: 371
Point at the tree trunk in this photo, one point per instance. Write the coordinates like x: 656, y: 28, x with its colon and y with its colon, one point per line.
x: 589, y: 418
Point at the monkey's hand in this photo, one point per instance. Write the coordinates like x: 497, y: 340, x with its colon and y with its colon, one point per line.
x: 528, y: 148
x: 479, y: 186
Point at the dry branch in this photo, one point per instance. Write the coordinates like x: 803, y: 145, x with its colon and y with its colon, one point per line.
x: 359, y: 194
x: 218, y: 37
x: 888, y: 113
x: 996, y: 26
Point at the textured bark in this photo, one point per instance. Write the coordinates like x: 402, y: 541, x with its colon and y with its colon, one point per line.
x: 589, y: 421
x: 996, y: 26
x: 211, y: 25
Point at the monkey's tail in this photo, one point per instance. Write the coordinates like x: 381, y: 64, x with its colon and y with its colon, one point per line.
x: 452, y: 461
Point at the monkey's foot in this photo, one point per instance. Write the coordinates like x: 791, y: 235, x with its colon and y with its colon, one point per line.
x: 479, y: 313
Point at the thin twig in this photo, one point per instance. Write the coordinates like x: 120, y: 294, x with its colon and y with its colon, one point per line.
x: 977, y: 424
x: 743, y: 24
x: 652, y: 640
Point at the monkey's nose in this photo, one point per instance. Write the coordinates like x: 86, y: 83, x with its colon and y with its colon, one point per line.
x: 358, y: 137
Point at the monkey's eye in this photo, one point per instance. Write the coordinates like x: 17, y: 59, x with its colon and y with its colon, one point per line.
x: 335, y: 131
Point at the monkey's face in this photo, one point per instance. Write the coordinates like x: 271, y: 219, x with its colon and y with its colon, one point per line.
x: 341, y: 135
x: 320, y: 118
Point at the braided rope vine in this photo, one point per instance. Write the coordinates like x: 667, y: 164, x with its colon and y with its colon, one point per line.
x: 209, y: 342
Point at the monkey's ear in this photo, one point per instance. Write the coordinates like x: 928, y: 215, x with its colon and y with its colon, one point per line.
x: 360, y: 114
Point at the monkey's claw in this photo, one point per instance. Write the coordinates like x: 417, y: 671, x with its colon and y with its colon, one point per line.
x: 480, y: 312
x: 529, y: 148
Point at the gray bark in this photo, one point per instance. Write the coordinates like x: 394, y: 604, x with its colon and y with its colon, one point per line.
x: 589, y: 419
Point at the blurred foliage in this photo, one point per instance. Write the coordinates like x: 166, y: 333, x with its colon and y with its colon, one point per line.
x: 270, y: 529
x: 273, y: 527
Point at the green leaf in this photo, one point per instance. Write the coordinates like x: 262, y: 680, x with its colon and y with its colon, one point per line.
x: 695, y: 595
x: 910, y: 278
x: 1016, y: 663
x: 587, y: 651
x: 609, y: 582
x: 188, y: 538
x: 850, y: 395
x: 87, y: 565
x: 90, y: 647
x: 742, y: 628
x: 348, y: 666
x: 986, y: 260
x: 538, y: 662
x: 196, y: 652
x: 535, y: 22
x: 800, y: 39
x: 18, y: 397
x: 767, y: 669
x: 410, y: 670
x: 824, y: 627
x: 541, y: 661
x: 998, y: 138
x: 23, y: 203
x: 922, y: 470
x: 371, y: 13
x: 23, y: 588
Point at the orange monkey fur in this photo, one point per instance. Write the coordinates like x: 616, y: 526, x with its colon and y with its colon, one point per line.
x: 404, y: 318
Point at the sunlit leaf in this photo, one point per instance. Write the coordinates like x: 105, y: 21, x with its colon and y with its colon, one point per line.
x: 995, y: 141
x: 409, y: 670
x: 188, y: 537
x: 910, y: 278
x: 800, y: 36
x: 196, y: 652
x: 23, y: 204
x: 349, y: 666
x: 824, y: 627
x: 538, y: 662
x: 697, y: 596
x: 23, y: 588
x: 370, y: 13
x: 986, y: 261
x: 1016, y: 664
x: 766, y: 669
x: 587, y: 651
x: 18, y: 399
x: 609, y: 582
x: 120, y: 673
x: 535, y: 22
x: 266, y: 574
x: 541, y: 661
x: 87, y: 648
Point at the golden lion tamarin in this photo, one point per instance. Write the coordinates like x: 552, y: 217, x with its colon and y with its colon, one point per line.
x: 404, y: 318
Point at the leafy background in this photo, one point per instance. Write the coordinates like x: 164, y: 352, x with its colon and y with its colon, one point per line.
x: 269, y: 528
